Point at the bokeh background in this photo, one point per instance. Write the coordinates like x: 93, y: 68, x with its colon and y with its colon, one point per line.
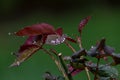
x: 16, y: 14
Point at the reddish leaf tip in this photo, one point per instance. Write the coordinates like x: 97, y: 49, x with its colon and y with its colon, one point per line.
x: 59, y: 31
x: 83, y: 23
x: 71, y: 40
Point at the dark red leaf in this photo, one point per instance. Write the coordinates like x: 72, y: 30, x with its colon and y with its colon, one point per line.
x: 83, y: 23
x: 31, y: 45
x: 36, y: 29
x: 25, y: 54
x: 59, y: 31
x: 32, y: 39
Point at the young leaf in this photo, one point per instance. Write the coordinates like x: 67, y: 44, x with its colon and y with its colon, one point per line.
x: 107, y: 78
x: 109, y: 50
x: 27, y: 49
x: 105, y: 71
x: 30, y: 50
x: 74, y: 71
x: 101, y: 50
x: 101, y: 44
x: 49, y: 76
x: 59, y: 31
x: 68, y: 76
x: 116, y: 58
x: 93, y: 52
x: 36, y: 29
x: 83, y: 23
x: 78, y: 54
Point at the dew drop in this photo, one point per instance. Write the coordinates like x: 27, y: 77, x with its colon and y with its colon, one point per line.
x: 60, y: 54
x: 12, y: 53
x: 18, y: 63
x: 52, y: 42
x: 9, y: 33
x: 92, y: 46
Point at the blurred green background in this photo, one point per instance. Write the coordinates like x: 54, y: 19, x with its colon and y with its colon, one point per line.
x: 16, y: 14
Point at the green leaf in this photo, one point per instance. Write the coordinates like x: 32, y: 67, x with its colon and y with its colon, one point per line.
x: 104, y: 78
x: 106, y: 72
x: 49, y: 76
x: 60, y: 78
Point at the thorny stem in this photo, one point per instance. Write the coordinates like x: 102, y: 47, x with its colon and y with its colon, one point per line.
x: 52, y: 57
x: 87, y: 72
x: 80, y: 45
x: 62, y: 70
x: 98, y: 60
x: 70, y: 46
x: 79, y: 42
x: 63, y: 67
x: 57, y: 64
x: 69, y: 77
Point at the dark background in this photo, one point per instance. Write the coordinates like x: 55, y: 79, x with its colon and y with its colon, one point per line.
x: 16, y: 14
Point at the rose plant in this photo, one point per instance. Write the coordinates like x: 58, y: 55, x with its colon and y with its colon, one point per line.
x: 73, y: 64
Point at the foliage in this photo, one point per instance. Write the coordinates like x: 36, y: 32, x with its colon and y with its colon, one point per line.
x: 69, y: 66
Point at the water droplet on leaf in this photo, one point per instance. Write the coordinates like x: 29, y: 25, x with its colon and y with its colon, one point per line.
x: 9, y: 33
x: 34, y: 42
x: 18, y: 63
x: 12, y: 53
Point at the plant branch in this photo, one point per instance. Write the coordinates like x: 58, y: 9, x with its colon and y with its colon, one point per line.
x: 60, y: 64
x: 54, y: 52
x: 70, y: 46
x: 79, y: 42
x: 86, y: 69
x: 64, y: 67
x: 87, y: 72
x: 98, y: 60
x: 55, y: 60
